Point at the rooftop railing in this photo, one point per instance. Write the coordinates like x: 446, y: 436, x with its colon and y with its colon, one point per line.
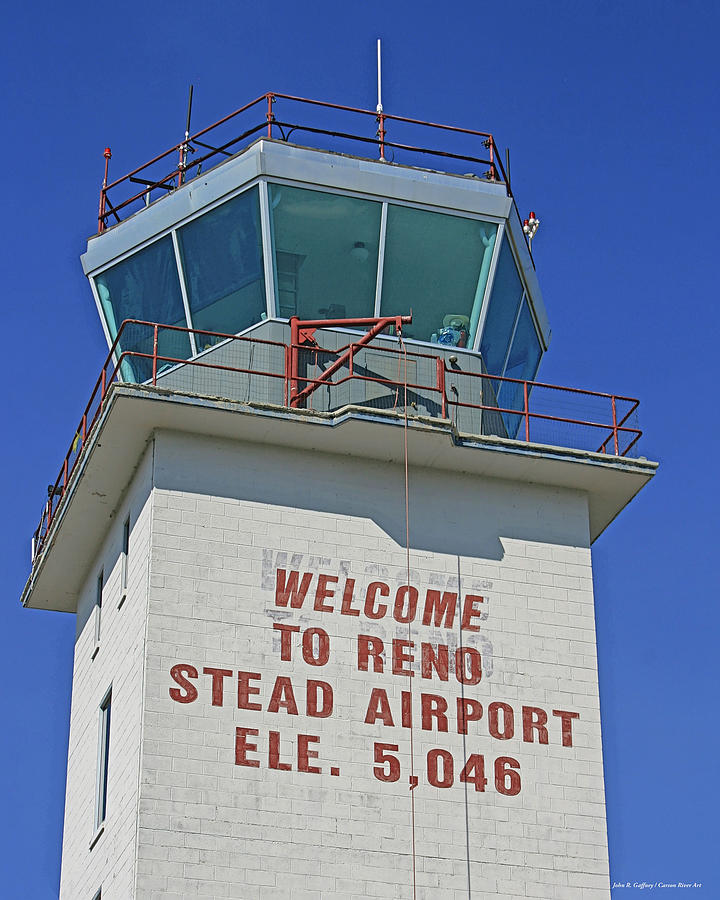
x: 298, y: 116
x: 389, y: 376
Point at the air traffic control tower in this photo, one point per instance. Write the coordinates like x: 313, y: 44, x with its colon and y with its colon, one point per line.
x: 327, y: 538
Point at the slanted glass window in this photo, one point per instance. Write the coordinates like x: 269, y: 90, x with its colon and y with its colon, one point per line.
x: 326, y: 253
x: 437, y: 266
x: 524, y: 356
x: 523, y: 361
x: 506, y: 295
x: 103, y: 761
x: 145, y: 286
x: 222, y: 261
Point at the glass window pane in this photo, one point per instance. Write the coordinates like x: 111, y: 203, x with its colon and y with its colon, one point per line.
x: 525, y: 352
x: 326, y: 252
x: 522, y: 363
x: 437, y: 265
x: 145, y: 286
x: 506, y: 294
x: 103, y: 762
x: 222, y: 260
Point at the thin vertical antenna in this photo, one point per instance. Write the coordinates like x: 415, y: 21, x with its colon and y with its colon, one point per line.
x: 184, y: 150
x: 189, y: 113
x: 379, y: 108
x: 379, y: 79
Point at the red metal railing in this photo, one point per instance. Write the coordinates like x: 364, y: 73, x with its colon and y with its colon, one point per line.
x: 537, y: 405
x: 259, y: 116
x: 616, y: 428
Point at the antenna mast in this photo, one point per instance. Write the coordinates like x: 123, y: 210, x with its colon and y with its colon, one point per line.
x: 184, y: 149
x: 379, y: 78
x: 379, y: 108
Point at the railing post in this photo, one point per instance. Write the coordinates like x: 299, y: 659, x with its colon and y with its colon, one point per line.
x: 527, y: 411
x: 84, y: 427
x: 269, y: 114
x: 381, y: 134
x: 103, y: 379
x: 351, y: 367
x: 181, y: 165
x: 489, y: 144
x: 155, y: 345
x: 615, y: 429
x: 294, y: 339
x: 286, y: 380
x: 101, y: 212
x: 65, y: 473
x: 440, y: 370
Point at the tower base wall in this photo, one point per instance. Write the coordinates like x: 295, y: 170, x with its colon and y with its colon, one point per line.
x: 280, y: 709
x: 281, y: 747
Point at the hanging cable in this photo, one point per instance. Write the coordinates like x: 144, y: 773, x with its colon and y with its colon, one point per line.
x: 398, y: 381
x: 413, y: 777
x: 464, y: 742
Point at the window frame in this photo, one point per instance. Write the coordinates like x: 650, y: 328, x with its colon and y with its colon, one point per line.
x: 526, y: 297
x: 263, y: 183
x: 103, y: 760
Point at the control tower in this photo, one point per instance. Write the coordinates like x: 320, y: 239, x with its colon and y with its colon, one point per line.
x: 326, y: 536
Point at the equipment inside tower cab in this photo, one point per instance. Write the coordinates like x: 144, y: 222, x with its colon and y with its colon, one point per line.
x: 454, y: 331
x: 326, y: 535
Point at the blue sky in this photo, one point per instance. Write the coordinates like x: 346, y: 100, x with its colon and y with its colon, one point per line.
x: 610, y: 111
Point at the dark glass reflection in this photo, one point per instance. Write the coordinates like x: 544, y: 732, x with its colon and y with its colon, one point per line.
x: 221, y: 253
x: 326, y: 253
x: 145, y: 286
x: 437, y: 266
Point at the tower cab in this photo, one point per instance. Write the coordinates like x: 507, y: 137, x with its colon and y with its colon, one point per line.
x: 280, y: 231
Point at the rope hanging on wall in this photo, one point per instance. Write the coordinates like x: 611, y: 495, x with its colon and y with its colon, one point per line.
x: 413, y: 777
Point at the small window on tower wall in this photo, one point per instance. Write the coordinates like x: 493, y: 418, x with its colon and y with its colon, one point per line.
x: 98, y: 609
x: 103, y: 759
x: 124, y: 560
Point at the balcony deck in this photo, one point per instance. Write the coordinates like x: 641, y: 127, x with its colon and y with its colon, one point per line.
x: 448, y: 391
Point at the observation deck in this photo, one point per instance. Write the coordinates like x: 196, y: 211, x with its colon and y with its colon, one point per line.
x: 309, y: 286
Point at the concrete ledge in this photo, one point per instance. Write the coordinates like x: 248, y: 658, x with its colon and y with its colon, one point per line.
x: 133, y: 413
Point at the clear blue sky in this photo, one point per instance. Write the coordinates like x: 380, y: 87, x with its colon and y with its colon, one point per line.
x: 611, y: 113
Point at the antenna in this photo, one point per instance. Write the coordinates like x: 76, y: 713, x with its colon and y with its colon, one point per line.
x: 379, y: 108
x: 184, y: 150
x: 379, y: 80
x: 189, y: 113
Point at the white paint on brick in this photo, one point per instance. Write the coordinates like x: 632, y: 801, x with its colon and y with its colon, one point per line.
x: 119, y: 662
x: 220, y: 519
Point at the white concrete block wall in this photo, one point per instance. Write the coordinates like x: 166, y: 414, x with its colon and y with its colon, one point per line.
x: 225, y: 517
x: 118, y: 662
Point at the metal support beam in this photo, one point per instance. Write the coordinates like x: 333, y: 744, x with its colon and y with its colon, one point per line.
x: 302, y: 331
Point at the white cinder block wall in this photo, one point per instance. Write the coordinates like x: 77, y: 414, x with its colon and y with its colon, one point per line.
x: 117, y: 662
x: 215, y: 819
x: 226, y: 517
